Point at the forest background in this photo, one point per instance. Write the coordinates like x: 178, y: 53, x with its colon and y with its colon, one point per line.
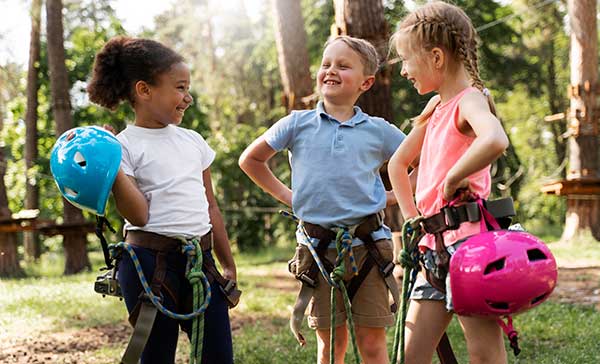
x: 50, y: 314
x: 238, y: 90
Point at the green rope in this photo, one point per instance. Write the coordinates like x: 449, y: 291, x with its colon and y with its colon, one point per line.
x: 409, y: 259
x: 343, y: 244
x: 195, y: 276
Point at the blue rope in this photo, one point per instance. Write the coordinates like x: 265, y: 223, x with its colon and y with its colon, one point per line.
x: 190, y: 251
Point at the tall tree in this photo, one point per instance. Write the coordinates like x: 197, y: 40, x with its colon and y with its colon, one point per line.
x: 76, y: 258
x: 583, y: 213
x: 290, y: 37
x: 9, y: 259
x: 31, y: 239
x: 366, y: 19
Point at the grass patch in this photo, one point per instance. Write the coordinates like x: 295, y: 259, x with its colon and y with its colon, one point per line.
x: 583, y: 251
x: 49, y: 302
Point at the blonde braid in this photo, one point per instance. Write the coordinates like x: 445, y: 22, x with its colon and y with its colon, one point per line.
x: 472, y: 66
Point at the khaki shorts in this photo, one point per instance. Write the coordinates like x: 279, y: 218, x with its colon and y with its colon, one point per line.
x: 371, y: 304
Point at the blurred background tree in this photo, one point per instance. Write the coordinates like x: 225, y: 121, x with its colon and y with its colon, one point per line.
x: 238, y: 93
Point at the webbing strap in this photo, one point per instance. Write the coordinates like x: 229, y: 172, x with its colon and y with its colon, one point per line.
x: 143, y: 315
x: 141, y: 333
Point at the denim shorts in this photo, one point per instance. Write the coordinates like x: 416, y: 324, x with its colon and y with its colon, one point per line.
x: 423, y: 290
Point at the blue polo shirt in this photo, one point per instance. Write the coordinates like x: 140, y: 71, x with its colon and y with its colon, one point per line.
x: 335, y: 165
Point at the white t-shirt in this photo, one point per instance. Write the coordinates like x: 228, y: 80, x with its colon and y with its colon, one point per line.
x: 167, y: 164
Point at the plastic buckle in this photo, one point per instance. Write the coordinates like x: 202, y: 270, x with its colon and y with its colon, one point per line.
x: 388, y: 269
x: 473, y: 213
x: 450, y: 217
x: 232, y: 294
x: 304, y: 278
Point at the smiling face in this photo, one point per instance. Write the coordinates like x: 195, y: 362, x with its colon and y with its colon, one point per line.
x: 166, y: 101
x: 418, y: 67
x: 341, y: 77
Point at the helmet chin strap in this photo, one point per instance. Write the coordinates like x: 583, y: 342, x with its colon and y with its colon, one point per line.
x: 100, y: 222
x: 511, y: 333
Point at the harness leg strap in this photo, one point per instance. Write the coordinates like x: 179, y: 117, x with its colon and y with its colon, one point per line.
x: 307, y: 290
x: 141, y: 333
x: 144, y: 314
x: 385, y: 268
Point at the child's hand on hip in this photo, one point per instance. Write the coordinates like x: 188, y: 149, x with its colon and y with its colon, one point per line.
x: 459, y: 190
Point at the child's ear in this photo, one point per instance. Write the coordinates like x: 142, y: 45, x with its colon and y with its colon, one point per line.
x: 367, y: 83
x: 438, y: 57
x: 142, y: 90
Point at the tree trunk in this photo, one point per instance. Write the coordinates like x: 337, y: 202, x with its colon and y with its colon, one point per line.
x: 583, y: 211
x: 9, y: 260
x: 76, y: 258
x: 31, y: 239
x: 290, y: 38
x: 365, y: 19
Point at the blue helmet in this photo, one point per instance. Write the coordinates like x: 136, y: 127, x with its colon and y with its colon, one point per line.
x: 85, y: 162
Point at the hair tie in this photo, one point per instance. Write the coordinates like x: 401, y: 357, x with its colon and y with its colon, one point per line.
x: 485, y: 91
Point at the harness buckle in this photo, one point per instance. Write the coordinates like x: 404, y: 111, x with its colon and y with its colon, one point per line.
x: 305, y: 279
x: 232, y: 294
x: 107, y: 284
x: 450, y: 217
x: 388, y: 269
x: 472, y: 210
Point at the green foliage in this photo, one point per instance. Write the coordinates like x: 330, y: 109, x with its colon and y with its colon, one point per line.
x: 237, y: 91
x: 533, y: 139
x: 250, y: 214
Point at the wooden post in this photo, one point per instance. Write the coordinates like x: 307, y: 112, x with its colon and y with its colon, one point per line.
x: 583, y: 212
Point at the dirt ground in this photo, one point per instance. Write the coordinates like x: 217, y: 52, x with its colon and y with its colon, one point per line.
x: 576, y: 285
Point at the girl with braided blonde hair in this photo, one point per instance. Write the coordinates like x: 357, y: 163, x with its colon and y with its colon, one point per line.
x: 453, y: 142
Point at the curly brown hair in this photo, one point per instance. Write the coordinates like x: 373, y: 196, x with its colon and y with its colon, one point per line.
x: 121, y: 63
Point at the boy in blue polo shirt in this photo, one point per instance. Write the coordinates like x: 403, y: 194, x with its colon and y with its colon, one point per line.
x: 336, y: 152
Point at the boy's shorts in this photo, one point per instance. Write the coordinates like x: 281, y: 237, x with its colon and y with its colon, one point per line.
x: 370, y: 306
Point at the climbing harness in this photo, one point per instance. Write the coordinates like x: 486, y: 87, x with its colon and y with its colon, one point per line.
x: 150, y: 301
x: 333, y: 274
x: 449, y: 218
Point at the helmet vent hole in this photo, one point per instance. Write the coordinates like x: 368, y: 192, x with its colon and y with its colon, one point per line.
x: 539, y: 298
x: 494, y: 266
x: 80, y: 159
x: 71, y: 193
x: 535, y: 254
x: 501, y: 306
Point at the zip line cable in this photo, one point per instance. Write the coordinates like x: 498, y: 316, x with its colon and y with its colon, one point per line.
x: 508, y: 17
x: 486, y: 26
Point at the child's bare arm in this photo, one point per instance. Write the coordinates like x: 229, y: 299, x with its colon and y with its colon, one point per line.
x: 490, y: 141
x: 398, y: 170
x: 221, y: 240
x: 253, y: 162
x: 130, y: 201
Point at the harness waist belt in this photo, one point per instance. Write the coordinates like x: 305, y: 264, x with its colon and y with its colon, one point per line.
x: 161, y: 243
x: 370, y: 224
x: 450, y: 217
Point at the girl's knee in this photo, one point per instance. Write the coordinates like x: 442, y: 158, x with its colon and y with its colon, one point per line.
x: 487, y: 354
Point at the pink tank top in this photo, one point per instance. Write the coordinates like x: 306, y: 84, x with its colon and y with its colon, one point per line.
x: 442, y: 147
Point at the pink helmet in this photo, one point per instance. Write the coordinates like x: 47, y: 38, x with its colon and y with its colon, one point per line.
x: 502, y: 272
